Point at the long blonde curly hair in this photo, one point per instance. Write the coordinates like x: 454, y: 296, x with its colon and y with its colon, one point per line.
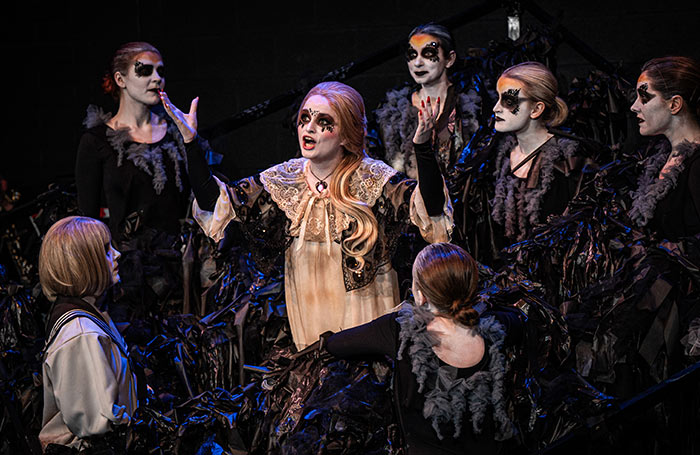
x: 349, y: 109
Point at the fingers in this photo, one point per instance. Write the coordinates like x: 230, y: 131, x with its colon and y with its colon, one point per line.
x: 193, y: 106
x: 169, y: 107
x: 432, y: 107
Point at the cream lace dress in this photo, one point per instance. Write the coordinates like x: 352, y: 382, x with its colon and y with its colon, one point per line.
x: 316, y: 296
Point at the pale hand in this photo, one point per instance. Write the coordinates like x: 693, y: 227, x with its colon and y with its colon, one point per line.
x: 427, y: 117
x: 186, y: 123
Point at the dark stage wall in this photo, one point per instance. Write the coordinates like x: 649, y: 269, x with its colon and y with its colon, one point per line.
x: 237, y: 55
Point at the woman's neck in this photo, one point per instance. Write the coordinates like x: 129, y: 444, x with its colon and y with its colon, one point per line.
x: 685, y: 128
x: 135, y: 115
x: 322, y: 168
x: 531, y: 138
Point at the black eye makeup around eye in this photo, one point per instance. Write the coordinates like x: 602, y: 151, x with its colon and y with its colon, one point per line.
x: 143, y: 70
x: 304, y: 118
x: 644, y: 95
x: 431, y: 52
x: 510, y: 100
x: 411, y: 54
x: 326, y: 122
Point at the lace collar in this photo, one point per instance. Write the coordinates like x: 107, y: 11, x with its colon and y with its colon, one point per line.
x: 650, y: 188
x: 147, y: 157
x: 287, y: 186
x: 449, y: 397
x: 517, y: 205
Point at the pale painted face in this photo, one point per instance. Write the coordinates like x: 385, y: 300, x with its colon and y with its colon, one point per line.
x: 318, y: 131
x: 144, y: 79
x: 426, y: 59
x: 513, y: 108
x: 653, y: 111
x: 113, y: 256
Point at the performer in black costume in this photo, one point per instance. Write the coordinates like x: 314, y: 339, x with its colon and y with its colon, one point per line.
x: 136, y: 158
x: 430, y: 55
x: 450, y: 365
x: 667, y: 199
x: 131, y: 168
x: 533, y: 171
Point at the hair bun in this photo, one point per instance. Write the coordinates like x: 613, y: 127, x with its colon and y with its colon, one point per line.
x: 463, y: 312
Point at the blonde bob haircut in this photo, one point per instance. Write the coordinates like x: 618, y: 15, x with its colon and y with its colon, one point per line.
x: 540, y: 86
x: 349, y: 110
x: 73, y: 258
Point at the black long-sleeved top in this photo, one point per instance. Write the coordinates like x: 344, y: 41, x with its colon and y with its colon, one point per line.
x: 678, y: 213
x: 128, y: 189
x: 380, y: 338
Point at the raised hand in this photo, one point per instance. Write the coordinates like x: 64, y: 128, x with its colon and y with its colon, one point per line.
x: 186, y: 123
x: 427, y: 117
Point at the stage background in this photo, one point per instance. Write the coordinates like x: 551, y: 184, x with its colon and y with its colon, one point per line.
x: 241, y: 54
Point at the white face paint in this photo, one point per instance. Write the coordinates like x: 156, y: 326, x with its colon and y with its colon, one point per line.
x: 113, y: 256
x: 426, y: 60
x: 318, y: 131
x: 513, y: 108
x: 653, y: 111
x: 144, y: 79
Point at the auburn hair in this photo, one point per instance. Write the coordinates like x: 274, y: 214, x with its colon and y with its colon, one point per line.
x: 448, y: 278
x: 121, y: 61
x: 676, y: 75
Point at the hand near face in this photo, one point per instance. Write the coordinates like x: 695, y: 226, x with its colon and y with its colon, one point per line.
x: 427, y: 117
x: 186, y: 123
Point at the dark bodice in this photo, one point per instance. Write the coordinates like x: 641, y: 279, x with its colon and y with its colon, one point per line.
x: 123, y: 186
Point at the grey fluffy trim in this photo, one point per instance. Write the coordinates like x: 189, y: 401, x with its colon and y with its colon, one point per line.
x: 449, y: 397
x: 650, y: 188
x: 515, y: 206
x: 398, y: 119
x: 147, y: 157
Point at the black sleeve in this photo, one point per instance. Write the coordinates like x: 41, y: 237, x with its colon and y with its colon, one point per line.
x: 204, y: 187
x: 512, y: 320
x: 373, y: 339
x: 430, y: 181
x: 694, y: 184
x: 88, y: 175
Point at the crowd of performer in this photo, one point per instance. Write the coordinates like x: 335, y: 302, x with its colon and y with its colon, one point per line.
x: 484, y: 184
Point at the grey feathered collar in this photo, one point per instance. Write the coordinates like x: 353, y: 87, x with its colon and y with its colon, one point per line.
x: 515, y: 206
x: 398, y: 118
x: 449, y: 397
x: 147, y: 157
x: 650, y: 188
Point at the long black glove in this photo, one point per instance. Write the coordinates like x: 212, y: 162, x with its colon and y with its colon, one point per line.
x: 430, y: 181
x: 205, y: 189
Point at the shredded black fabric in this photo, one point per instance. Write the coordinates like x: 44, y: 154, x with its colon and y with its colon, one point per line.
x: 448, y: 399
x: 147, y: 157
x: 517, y: 207
x: 651, y: 189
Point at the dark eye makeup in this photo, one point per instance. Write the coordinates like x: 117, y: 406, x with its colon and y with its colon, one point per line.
x: 644, y: 95
x: 511, y: 101
x: 430, y: 52
x: 143, y: 70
